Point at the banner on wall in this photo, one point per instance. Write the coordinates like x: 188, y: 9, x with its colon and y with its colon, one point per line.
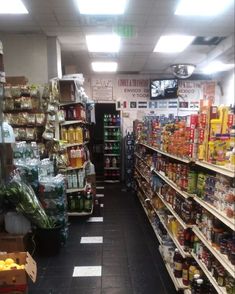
x: 190, y: 93
x: 132, y: 88
x: 102, y: 89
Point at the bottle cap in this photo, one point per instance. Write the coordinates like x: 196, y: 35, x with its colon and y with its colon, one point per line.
x: 196, y: 276
x: 199, y: 281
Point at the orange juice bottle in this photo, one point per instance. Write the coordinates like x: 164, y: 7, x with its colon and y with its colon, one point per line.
x: 79, y: 162
x: 71, y: 135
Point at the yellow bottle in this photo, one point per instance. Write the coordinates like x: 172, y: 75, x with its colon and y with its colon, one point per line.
x: 64, y: 134
x: 78, y: 135
x: 71, y: 135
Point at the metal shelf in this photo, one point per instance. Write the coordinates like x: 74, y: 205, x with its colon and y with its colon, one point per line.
x: 71, y: 122
x: 112, y: 141
x: 111, y: 127
x: 75, y: 190
x: 75, y: 144
x: 185, y: 160
x: 222, y: 258
x: 182, y: 223
x: 218, y: 169
x: 147, y: 180
x: 230, y: 222
x: 174, y: 239
x: 220, y: 290
x: 173, y: 185
x: 106, y: 154
x: 112, y: 168
x: 137, y: 155
x: 79, y: 213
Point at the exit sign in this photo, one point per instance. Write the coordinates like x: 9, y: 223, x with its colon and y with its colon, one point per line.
x: 125, y: 31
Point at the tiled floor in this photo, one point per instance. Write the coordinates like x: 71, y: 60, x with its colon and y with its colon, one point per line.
x: 127, y: 262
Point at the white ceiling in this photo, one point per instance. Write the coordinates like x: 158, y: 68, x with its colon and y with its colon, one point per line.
x: 150, y: 18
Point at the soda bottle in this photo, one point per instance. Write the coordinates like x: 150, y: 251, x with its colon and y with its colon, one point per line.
x: 118, y: 120
x: 75, y: 180
x: 105, y: 119
x: 178, y: 263
x: 64, y: 134
x: 106, y: 134
x: 107, y: 162
x: 199, y: 287
x: 114, y: 162
x: 114, y: 120
x: 71, y: 135
x: 80, y: 202
x: 72, y: 204
x: 194, y: 283
x: 185, y: 273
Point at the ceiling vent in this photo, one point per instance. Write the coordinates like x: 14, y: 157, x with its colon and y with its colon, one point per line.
x: 100, y: 20
x: 102, y: 55
x: 207, y: 41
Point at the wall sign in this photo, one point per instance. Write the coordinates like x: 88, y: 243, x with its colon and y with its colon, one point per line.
x: 132, y: 88
x: 102, y: 89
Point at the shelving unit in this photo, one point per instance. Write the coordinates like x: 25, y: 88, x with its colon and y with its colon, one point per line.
x: 185, y: 160
x: 220, y: 290
x: 173, y: 185
x: 218, y: 169
x: 75, y: 190
x: 72, y: 122
x: 223, y: 259
x: 177, y: 282
x: 230, y: 222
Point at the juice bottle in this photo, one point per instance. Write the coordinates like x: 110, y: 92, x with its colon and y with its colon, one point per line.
x: 178, y: 263
x: 185, y: 273
x: 194, y: 283
x: 88, y: 202
x: 80, y: 202
x: 64, y: 134
x: 107, y: 162
x: 199, y: 287
x: 72, y: 157
x: 71, y: 135
x: 78, y: 135
x: 114, y: 120
x: 78, y: 156
x: 114, y: 162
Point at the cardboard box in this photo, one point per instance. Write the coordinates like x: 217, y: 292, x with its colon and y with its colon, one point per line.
x: 13, y: 243
x: 15, y: 281
x: 15, y: 81
x: 67, y: 91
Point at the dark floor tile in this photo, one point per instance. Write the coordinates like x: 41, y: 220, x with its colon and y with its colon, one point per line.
x: 117, y: 291
x: 115, y: 282
x: 59, y: 271
x: 85, y: 283
x: 84, y: 291
x: 113, y: 270
x: 55, y: 283
x: 49, y: 291
x: 116, y: 260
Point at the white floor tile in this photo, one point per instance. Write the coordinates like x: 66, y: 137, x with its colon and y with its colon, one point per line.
x: 99, y: 195
x: 87, y: 271
x: 91, y: 240
x: 101, y: 205
x: 99, y: 187
x: 95, y: 219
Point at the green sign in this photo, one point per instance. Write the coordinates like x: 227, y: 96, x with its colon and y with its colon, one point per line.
x: 125, y: 31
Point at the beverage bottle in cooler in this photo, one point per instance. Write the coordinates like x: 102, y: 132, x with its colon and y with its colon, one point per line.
x: 72, y: 203
x: 110, y: 148
x: 88, y: 202
x: 107, y: 162
x: 106, y: 134
x: 110, y: 120
x: 194, y: 283
x: 118, y: 120
x: 114, y: 162
x: 199, y: 287
x: 105, y: 120
x: 178, y: 264
x: 69, y: 181
x: 106, y: 148
x: 114, y: 120
x: 35, y: 150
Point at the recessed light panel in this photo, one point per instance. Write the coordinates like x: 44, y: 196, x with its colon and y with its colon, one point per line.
x: 104, y: 66
x: 173, y: 43
x: 202, y: 7
x: 12, y: 7
x: 217, y: 66
x: 101, y: 7
x: 103, y: 43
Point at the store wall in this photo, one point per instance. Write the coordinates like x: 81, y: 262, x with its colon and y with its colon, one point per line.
x: 227, y: 84
x: 26, y: 55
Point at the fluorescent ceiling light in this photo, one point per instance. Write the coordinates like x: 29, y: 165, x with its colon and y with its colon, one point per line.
x: 217, y: 66
x: 104, y: 66
x: 101, y: 7
x: 103, y: 43
x: 12, y: 7
x: 202, y: 7
x: 173, y: 43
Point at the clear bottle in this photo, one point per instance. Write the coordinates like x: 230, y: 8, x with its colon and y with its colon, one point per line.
x: 114, y: 162
x: 75, y: 180
x: 199, y: 287
x: 72, y: 157
x: 107, y: 162
x: 178, y: 263
x: 35, y: 150
x: 88, y: 202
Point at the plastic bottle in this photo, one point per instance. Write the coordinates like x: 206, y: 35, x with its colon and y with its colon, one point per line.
x: 199, y: 287
x: 185, y: 273
x: 35, y: 150
x: 114, y: 162
x: 106, y: 134
x: 88, y: 202
x: 64, y: 134
x: 107, y: 162
x: 80, y: 207
x: 75, y: 180
x: 71, y: 135
x: 194, y: 283
x: 114, y: 120
x: 178, y: 263
x: 72, y: 157
x: 105, y: 119
x: 78, y: 135
x: 118, y: 120
x: 69, y: 181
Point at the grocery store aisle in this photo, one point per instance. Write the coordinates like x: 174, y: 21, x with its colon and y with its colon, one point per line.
x: 124, y: 256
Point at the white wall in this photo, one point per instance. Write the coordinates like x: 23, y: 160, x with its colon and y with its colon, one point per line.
x: 25, y: 55
x: 228, y: 83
